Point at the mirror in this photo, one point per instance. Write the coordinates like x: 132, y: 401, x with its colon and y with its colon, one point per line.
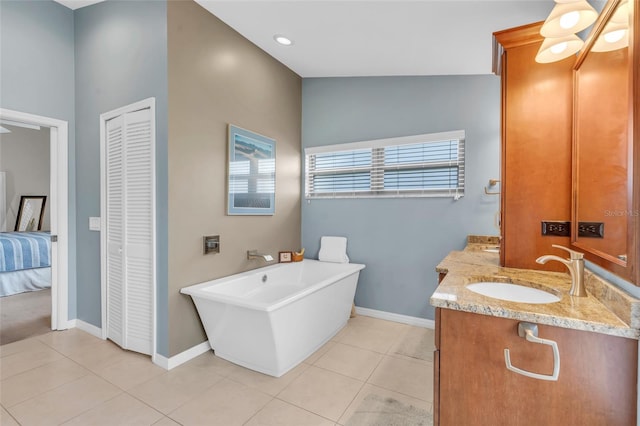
x: 603, y: 222
x: 251, y: 173
x: 30, y: 213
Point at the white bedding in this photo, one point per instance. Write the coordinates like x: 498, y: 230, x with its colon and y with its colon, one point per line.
x: 26, y: 280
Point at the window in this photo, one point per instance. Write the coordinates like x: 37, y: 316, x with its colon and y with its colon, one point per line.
x: 430, y: 165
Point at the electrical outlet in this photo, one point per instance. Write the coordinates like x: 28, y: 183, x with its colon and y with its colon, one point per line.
x: 556, y: 228
x: 591, y: 229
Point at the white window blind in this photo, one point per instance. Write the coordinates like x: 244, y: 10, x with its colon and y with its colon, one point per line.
x: 430, y: 165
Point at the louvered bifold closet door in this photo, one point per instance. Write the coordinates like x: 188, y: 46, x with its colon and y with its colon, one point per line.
x: 129, y: 230
x: 138, y: 196
x: 115, y: 230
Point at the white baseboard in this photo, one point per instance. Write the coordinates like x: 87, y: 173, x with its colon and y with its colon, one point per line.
x: 164, y: 362
x: 86, y: 327
x: 390, y: 316
x: 182, y: 357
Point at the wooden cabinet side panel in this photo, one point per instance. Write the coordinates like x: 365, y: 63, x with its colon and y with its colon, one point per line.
x: 596, y: 385
x: 436, y: 330
x: 436, y: 386
x: 536, y: 175
x: 436, y: 370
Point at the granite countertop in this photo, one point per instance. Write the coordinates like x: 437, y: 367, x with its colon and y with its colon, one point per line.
x: 607, y: 309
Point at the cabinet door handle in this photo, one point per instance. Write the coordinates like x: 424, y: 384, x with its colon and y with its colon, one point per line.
x: 530, y: 332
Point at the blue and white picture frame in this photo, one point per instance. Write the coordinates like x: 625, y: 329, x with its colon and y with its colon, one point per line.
x: 251, y: 173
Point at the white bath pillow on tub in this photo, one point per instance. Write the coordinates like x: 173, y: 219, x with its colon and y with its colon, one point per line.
x: 333, y: 249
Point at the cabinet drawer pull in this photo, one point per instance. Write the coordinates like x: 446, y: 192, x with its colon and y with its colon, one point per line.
x: 530, y: 332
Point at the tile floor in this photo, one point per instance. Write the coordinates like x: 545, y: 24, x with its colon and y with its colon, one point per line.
x: 373, y: 372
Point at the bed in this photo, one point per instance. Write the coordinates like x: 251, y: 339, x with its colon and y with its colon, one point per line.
x: 25, y: 262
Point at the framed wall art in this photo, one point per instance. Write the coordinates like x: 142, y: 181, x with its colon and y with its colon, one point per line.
x: 251, y: 173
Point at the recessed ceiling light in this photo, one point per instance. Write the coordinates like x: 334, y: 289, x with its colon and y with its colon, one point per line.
x: 285, y: 41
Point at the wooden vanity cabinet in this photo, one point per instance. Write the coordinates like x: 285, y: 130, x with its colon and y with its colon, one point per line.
x: 536, y: 105
x: 596, y: 384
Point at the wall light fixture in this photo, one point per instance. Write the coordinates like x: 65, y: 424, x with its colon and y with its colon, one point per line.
x: 614, y: 36
x: 568, y: 17
x: 571, y: 16
x: 558, y: 48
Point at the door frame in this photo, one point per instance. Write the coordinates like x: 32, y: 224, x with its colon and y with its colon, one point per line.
x: 136, y: 106
x: 59, y: 210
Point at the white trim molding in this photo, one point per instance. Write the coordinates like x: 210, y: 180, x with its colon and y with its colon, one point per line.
x: 390, y: 316
x: 59, y: 210
x: 86, y: 327
x: 182, y: 357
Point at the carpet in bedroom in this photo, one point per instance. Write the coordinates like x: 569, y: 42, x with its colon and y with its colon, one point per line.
x: 24, y: 315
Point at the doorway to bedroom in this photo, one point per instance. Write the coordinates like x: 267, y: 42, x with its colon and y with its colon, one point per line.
x: 33, y: 225
x: 25, y: 231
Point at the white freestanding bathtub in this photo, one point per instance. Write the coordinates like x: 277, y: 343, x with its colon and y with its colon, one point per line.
x: 270, y: 319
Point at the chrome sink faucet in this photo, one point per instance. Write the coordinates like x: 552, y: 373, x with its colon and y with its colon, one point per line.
x: 253, y: 254
x: 575, y: 264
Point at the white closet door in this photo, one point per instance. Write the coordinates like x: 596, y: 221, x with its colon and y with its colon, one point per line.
x: 114, y: 231
x: 129, y: 233
x: 138, y: 195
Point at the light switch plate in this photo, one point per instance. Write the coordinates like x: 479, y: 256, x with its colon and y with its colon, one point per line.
x: 94, y: 224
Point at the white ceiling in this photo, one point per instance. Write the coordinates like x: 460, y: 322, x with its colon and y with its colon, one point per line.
x: 375, y: 38
x: 77, y: 4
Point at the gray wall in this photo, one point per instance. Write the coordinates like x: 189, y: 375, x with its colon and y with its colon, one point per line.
x: 402, y: 240
x: 25, y: 157
x: 222, y: 78
x: 121, y: 58
x: 37, y: 77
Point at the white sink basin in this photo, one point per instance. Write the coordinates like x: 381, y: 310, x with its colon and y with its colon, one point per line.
x: 513, y: 292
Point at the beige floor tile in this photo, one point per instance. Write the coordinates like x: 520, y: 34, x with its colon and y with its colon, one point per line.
x: 65, y: 402
x: 172, y: 389
x: 32, y: 344
x: 98, y: 355
x: 322, y: 392
x: 41, y: 386
x: 6, y: 419
x: 350, y: 361
x: 414, y: 343
x: 409, y: 377
x: 66, y: 340
x: 220, y: 366
x: 227, y: 403
x: 131, y: 369
x: 321, y: 351
x: 264, y: 383
x: 38, y: 380
x: 166, y: 421
x: 280, y: 413
x: 122, y: 410
x: 22, y: 361
x: 378, y: 406
x: 365, y: 321
x: 370, y: 333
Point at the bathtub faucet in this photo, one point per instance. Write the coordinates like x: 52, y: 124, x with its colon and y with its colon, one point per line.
x: 253, y: 254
